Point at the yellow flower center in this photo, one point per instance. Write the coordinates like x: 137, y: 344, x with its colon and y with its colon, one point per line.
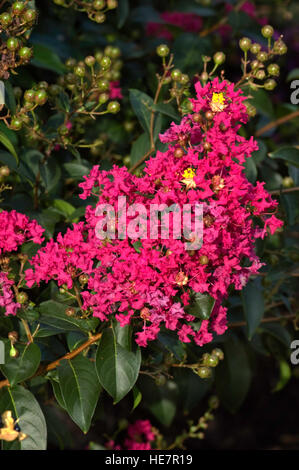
x: 218, y: 98
x: 218, y: 102
x: 189, y: 174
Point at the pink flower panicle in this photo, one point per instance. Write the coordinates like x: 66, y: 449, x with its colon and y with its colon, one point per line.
x: 186, y: 21
x: 153, y: 286
x: 140, y: 436
x: 16, y: 229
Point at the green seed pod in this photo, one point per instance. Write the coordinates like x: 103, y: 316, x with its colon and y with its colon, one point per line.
x: 12, y: 44
x: 25, y: 53
x: 99, y: 4
x: 103, y: 98
x: 79, y: 70
x: 245, y: 44
x: 13, y: 352
x: 219, y: 58
x: 274, y: 70
x: 267, y: 31
x: 113, y: 107
x: 100, y: 18
x: 260, y: 74
x: 16, y: 124
x: 203, y: 372
x: 163, y: 50
x: 255, y: 48
x: 41, y: 97
x: 5, y: 19
x: 105, y: 62
x: 262, y: 56
x: 29, y: 15
x: 270, y: 84
x: 90, y: 61
x: 17, y: 8
x: 219, y: 353
x: 103, y: 85
x: 176, y: 75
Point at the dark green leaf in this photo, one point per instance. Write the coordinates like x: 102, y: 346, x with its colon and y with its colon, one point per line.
x: 23, y: 367
x: 253, y: 303
x: 142, y: 105
x: 233, y: 375
x: 140, y: 147
x: 117, y: 363
x: 45, y: 58
x: 8, y: 144
x: 80, y: 389
x: 202, y: 306
x: 31, y: 419
x: 122, y: 12
x: 289, y: 154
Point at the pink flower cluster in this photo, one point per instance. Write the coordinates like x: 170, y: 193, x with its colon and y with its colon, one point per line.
x: 139, y: 437
x: 115, y: 90
x: 152, y: 282
x: 185, y: 21
x: 7, y: 296
x: 16, y: 229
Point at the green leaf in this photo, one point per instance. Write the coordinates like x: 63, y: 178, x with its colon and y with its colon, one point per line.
x: 202, y: 306
x: 122, y: 12
x: 31, y: 419
x: 285, y: 373
x: 289, y: 154
x: 7, y: 143
x: 142, y: 105
x: 23, y: 367
x: 80, y: 389
x: 233, y: 375
x: 139, y: 148
x: 293, y: 75
x: 291, y: 206
x: 250, y: 170
x: 117, y: 363
x: 261, y: 101
x: 63, y: 207
x: 76, y: 170
x: 253, y: 304
x: 192, y: 388
x: 50, y: 173
x: 45, y: 58
x: 53, y: 315
x: 168, y: 110
x: 160, y: 400
x: 137, y: 395
x: 58, y: 394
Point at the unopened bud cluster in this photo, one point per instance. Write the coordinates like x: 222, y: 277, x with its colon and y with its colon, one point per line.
x: 15, y: 27
x: 96, y: 9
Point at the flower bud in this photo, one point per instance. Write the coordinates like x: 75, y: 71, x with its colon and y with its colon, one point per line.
x: 245, y: 44
x: 163, y: 50
x: 267, y: 31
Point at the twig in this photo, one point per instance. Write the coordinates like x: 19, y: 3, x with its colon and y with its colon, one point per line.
x: 276, y: 123
x: 152, y: 119
x: 238, y: 324
x: 287, y: 190
x: 223, y: 21
x: 44, y: 369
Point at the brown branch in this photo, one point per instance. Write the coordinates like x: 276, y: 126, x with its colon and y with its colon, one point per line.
x: 276, y: 123
x: 288, y: 190
x: 141, y: 160
x: 43, y: 369
x: 220, y: 23
x: 237, y: 324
